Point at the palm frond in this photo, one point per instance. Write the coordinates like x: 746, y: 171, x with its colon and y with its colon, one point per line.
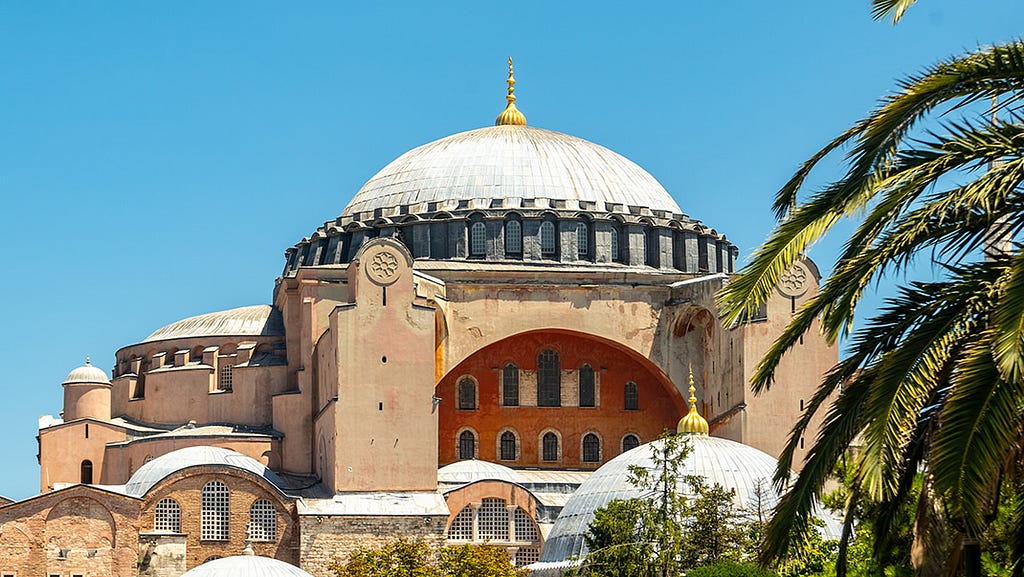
x: 894, y: 9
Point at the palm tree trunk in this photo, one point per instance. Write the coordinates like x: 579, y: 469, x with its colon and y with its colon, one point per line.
x: 972, y: 558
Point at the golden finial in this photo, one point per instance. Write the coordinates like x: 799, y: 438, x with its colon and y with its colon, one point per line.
x: 511, y: 115
x: 693, y: 423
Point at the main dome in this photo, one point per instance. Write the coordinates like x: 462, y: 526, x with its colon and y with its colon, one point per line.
x: 499, y: 166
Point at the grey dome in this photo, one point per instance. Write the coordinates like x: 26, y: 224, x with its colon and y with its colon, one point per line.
x: 258, y: 320
x: 507, y: 164
x: 246, y: 566
x: 728, y: 463
x: 468, y: 471
x: 87, y: 374
x: 161, y: 467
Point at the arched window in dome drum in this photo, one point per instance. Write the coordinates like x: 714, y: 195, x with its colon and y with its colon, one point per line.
x: 547, y: 238
x: 508, y: 446
x: 587, y: 396
x: 513, y: 237
x: 630, y: 397
x: 477, y: 239
x: 549, y: 447
x: 467, y: 445
x: 630, y: 442
x: 615, y: 250
x: 549, y: 379
x: 467, y: 394
x: 591, y: 448
x: 510, y: 386
x: 652, y: 248
x: 582, y: 240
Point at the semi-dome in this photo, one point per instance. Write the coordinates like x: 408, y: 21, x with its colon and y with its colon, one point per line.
x: 500, y: 166
x: 257, y: 320
x: 161, y: 467
x: 732, y: 465
x: 471, y: 470
x: 87, y: 374
x: 246, y: 565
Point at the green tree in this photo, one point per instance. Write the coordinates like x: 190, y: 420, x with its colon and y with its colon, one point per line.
x: 620, y: 541
x: 474, y: 561
x: 935, y: 380
x: 712, y: 529
x: 416, y: 558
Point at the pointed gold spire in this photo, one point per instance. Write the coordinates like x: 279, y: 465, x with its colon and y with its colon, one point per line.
x: 693, y: 423
x: 511, y: 115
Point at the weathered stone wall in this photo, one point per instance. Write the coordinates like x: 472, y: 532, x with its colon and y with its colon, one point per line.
x: 330, y: 539
x: 162, y: 555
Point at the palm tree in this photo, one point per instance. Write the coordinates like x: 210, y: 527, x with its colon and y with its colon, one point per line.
x: 935, y: 380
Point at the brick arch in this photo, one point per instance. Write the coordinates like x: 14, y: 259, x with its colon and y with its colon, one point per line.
x: 80, y: 523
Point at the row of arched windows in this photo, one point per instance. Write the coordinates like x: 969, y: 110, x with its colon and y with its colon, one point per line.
x: 550, y: 446
x: 549, y: 386
x: 215, y: 516
x: 494, y: 520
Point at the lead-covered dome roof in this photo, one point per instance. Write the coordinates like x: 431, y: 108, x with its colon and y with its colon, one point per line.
x: 246, y: 565
x: 163, y: 466
x: 257, y: 320
x: 87, y: 374
x: 472, y: 470
x: 499, y: 166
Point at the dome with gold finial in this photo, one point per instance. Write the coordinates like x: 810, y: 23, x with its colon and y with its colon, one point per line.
x: 693, y: 423
x: 511, y: 116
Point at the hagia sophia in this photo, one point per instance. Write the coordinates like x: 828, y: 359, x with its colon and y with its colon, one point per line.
x: 493, y: 329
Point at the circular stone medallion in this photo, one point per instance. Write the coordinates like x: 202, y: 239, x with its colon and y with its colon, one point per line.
x: 793, y: 282
x: 383, y: 266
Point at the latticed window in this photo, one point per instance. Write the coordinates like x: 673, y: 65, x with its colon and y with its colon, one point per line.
x: 527, y: 555
x: 510, y: 386
x: 508, y: 446
x: 526, y: 529
x: 167, y: 516
x: 216, y: 511
x: 467, y: 394
x: 616, y: 255
x: 467, y: 445
x: 591, y: 448
x: 582, y: 240
x: 513, y: 237
x: 587, y: 386
x: 224, y: 384
x: 262, y: 521
x: 630, y: 442
x: 630, y: 397
x: 462, y: 526
x: 492, y: 520
x: 547, y: 238
x: 549, y: 379
x: 549, y: 447
x: 477, y: 239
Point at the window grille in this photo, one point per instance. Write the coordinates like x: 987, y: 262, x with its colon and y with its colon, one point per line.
x: 615, y: 244
x: 467, y: 394
x: 547, y: 238
x: 549, y: 377
x: 225, y: 378
x: 513, y: 237
x: 582, y: 240
x: 262, y: 521
x: 527, y: 555
x: 510, y: 386
x: 526, y: 529
x: 631, y: 397
x: 549, y: 447
x: 591, y: 448
x: 630, y: 442
x: 462, y: 526
x: 587, y: 396
x: 215, y: 512
x: 168, y: 516
x: 492, y: 520
x: 508, y: 446
x: 477, y: 239
x: 467, y: 445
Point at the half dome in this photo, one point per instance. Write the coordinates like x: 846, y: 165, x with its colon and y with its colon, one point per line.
x: 471, y: 470
x: 257, y: 320
x: 163, y: 466
x: 506, y: 164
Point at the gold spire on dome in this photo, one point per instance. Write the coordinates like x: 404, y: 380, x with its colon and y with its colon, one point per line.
x: 692, y: 423
x: 511, y: 115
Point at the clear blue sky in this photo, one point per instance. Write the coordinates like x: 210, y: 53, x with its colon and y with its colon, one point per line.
x: 156, y: 159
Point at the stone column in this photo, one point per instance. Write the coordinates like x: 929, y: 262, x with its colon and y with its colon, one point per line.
x: 476, y: 520
x: 511, y: 524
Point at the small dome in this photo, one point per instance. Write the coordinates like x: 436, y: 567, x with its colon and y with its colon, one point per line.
x: 246, y: 566
x: 468, y: 471
x: 161, y: 467
x: 730, y: 464
x: 257, y: 321
x: 87, y: 374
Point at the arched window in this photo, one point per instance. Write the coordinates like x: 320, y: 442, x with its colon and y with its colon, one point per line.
x: 582, y: 240
x: 549, y: 447
x: 461, y: 528
x: 508, y: 446
x: 467, y: 394
x: 549, y: 379
x: 477, y: 239
x: 492, y: 520
x: 616, y: 255
x: 587, y: 397
x: 226, y: 378
x: 547, y: 238
x: 630, y: 442
x: 510, y: 386
x: 167, y: 516
x: 467, y: 445
x: 86, y: 471
x: 630, y: 397
x: 262, y: 521
x: 652, y: 246
x: 215, y: 512
x: 591, y: 448
x: 513, y: 238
